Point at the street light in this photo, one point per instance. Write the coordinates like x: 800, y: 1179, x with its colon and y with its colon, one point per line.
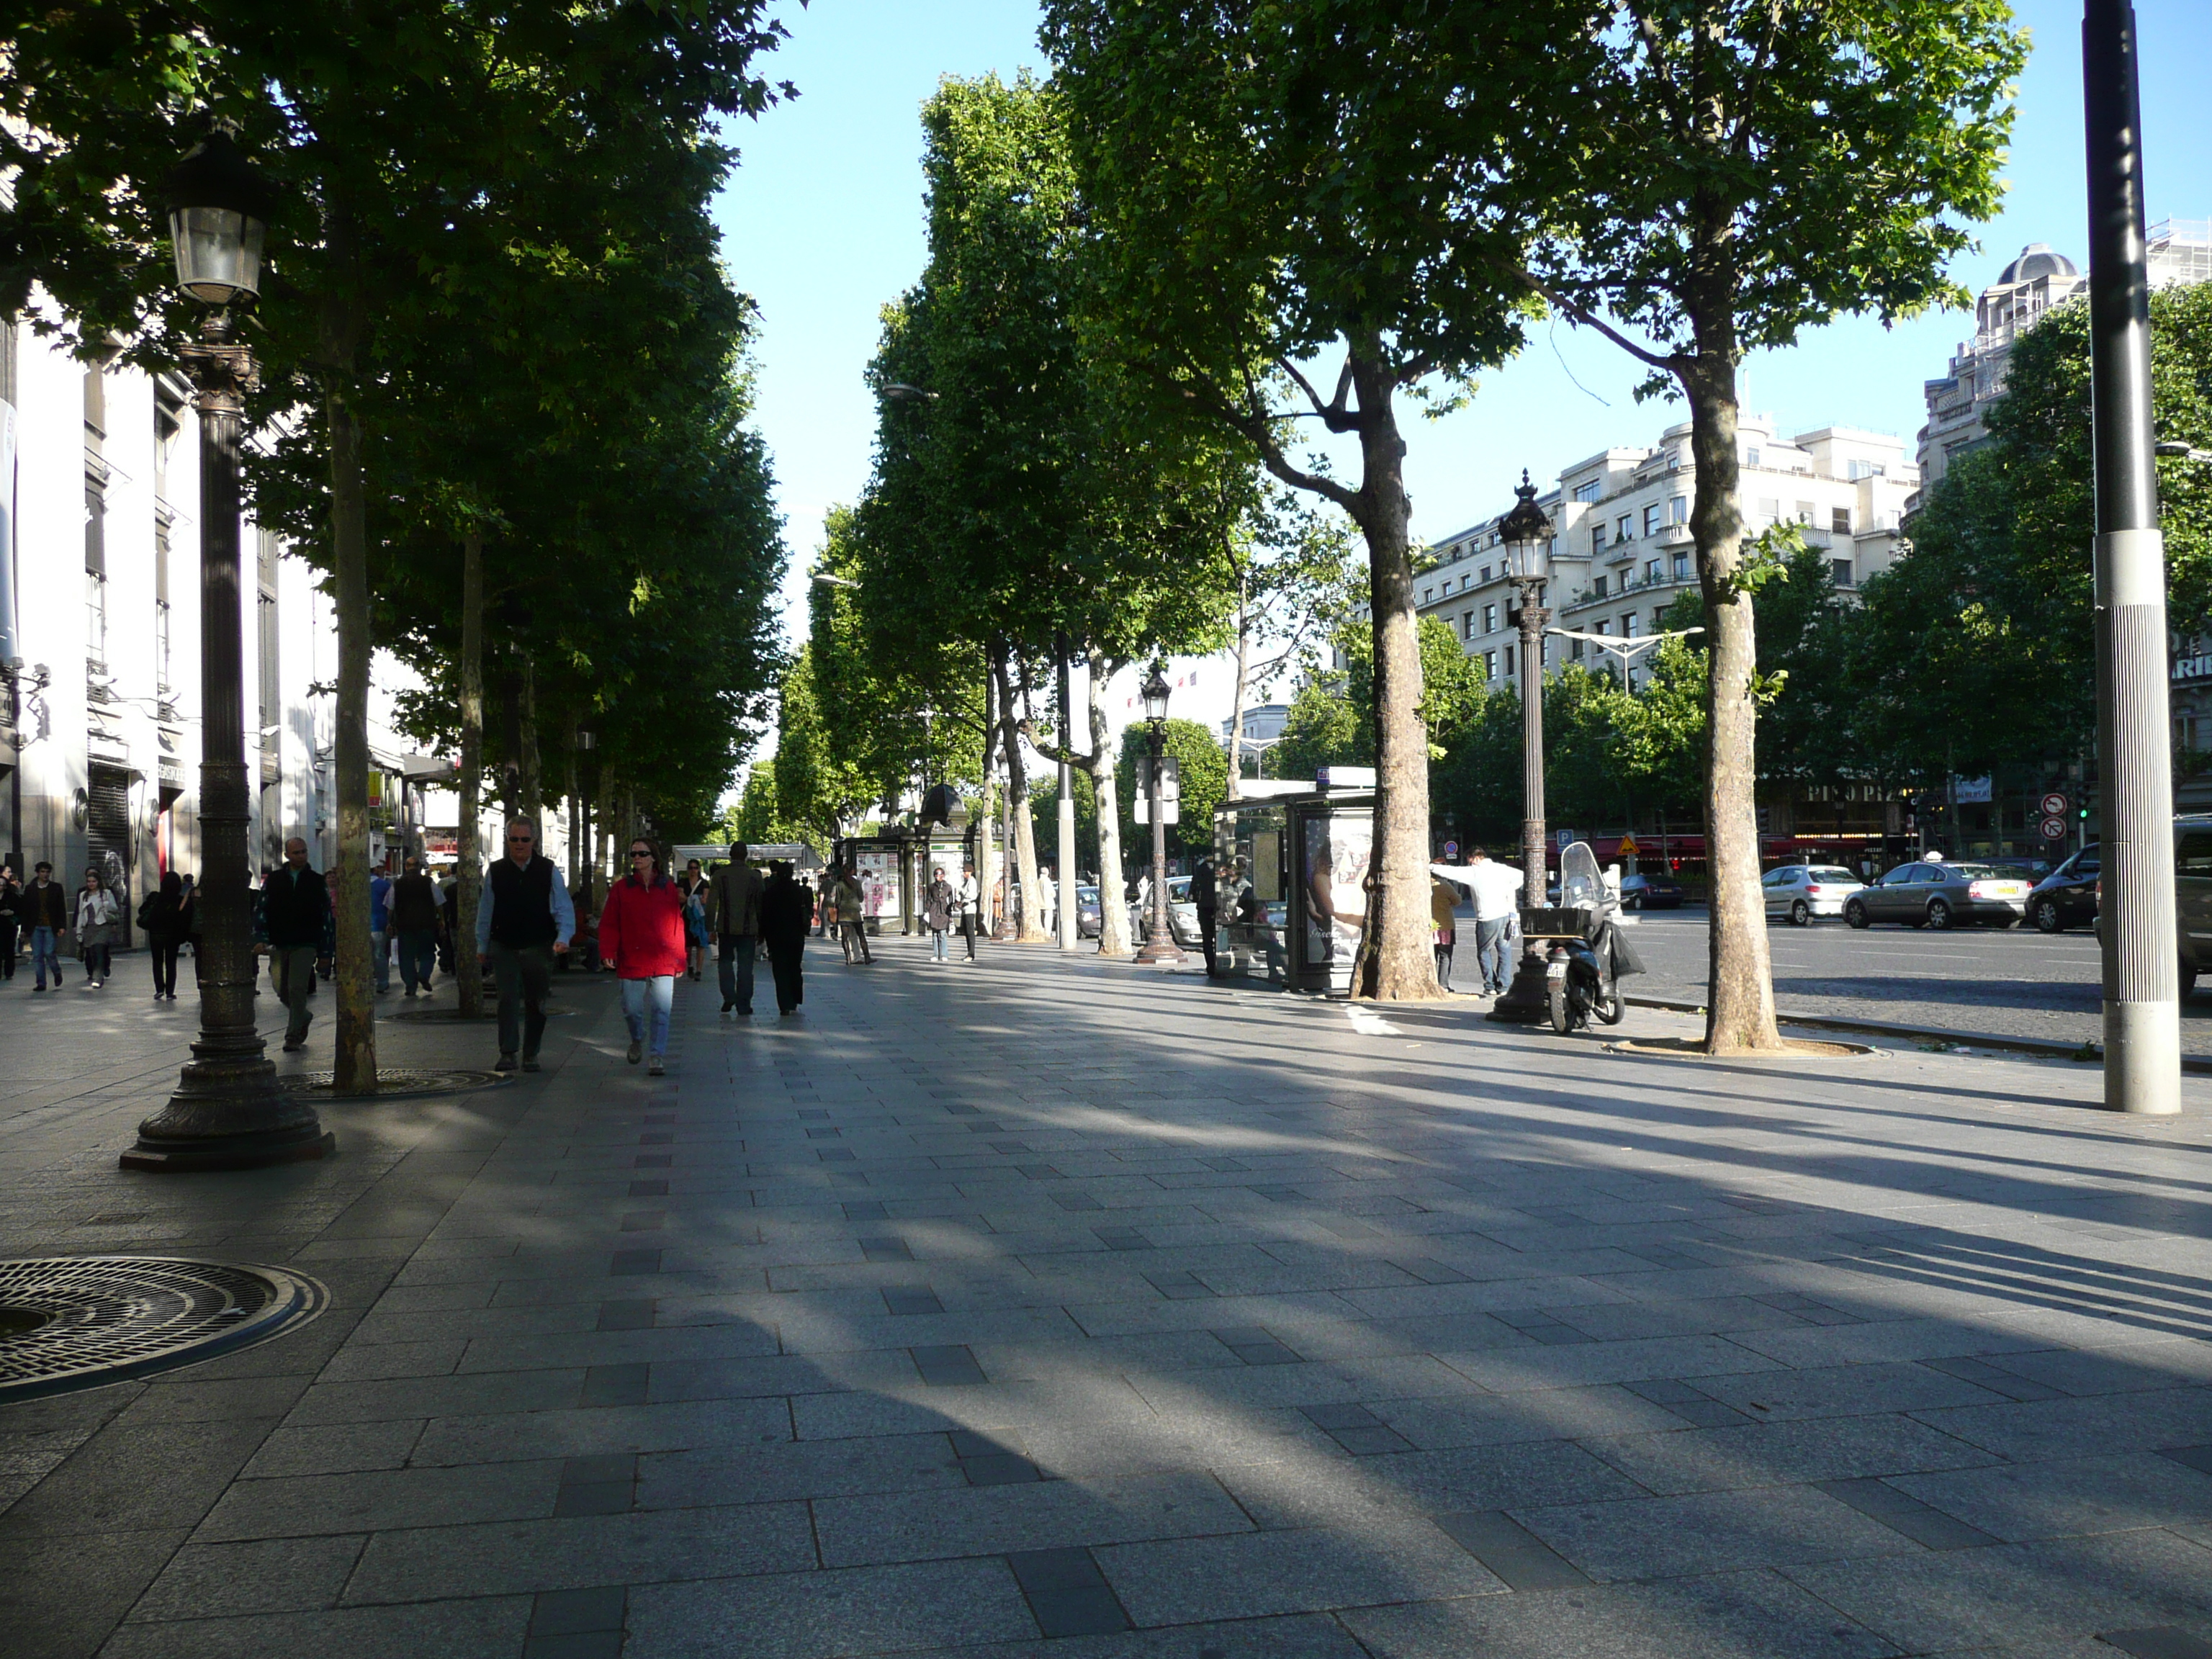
x: 1527, y: 534
x: 228, y: 1111
x: 2142, y: 949
x: 1160, y: 938
x: 900, y: 392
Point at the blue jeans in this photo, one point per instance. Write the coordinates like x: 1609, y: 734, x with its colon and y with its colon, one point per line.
x: 1490, y: 955
x: 737, y: 970
x: 661, y: 989
x: 46, y: 948
x: 937, y: 944
x: 380, y: 958
x: 418, y: 955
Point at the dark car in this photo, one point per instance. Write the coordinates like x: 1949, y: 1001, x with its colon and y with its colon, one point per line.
x: 1650, y: 890
x: 1940, y: 893
x: 2067, y: 898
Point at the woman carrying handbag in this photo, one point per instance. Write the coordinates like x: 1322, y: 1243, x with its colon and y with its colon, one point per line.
x: 97, y: 914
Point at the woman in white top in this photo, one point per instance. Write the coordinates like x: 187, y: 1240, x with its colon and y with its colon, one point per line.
x: 96, y: 916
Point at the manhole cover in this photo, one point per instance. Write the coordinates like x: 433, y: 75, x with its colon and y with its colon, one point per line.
x: 80, y: 1322
x: 412, y: 1016
x: 397, y: 1082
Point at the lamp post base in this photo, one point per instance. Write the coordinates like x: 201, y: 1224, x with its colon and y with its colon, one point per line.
x: 229, y: 1113
x: 1159, y: 949
x: 1528, y: 1001
x: 209, y: 1153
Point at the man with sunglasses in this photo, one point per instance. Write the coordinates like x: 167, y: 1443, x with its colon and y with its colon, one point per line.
x: 524, y: 921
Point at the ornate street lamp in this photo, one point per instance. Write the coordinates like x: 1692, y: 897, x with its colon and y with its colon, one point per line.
x: 1160, y: 938
x: 228, y: 1111
x: 1527, y: 534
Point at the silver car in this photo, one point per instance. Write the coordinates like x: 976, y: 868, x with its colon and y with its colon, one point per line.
x: 1799, y: 892
x: 1937, y: 893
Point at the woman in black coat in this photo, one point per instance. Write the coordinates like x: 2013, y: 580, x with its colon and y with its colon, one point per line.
x: 787, y: 911
x: 167, y: 918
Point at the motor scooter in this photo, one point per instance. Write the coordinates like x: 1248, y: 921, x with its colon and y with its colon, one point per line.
x: 1588, y: 954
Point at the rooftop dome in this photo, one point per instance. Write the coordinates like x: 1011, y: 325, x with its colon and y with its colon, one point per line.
x: 2037, y: 259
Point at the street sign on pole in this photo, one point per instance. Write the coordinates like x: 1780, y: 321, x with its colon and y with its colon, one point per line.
x: 1567, y: 838
x: 2054, y: 829
x: 1451, y: 850
x: 1170, y: 789
x: 1628, y: 846
x: 2056, y: 805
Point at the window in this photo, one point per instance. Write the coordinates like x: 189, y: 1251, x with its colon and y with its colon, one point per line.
x: 1597, y: 587
x: 1509, y: 662
x: 1427, y: 593
x: 1603, y: 626
x: 1490, y: 619
x: 1840, y: 570
x: 1467, y: 626
x: 1652, y: 570
x: 162, y: 681
x: 1839, y: 520
x: 1624, y: 527
x: 1769, y: 509
x: 1588, y: 489
x: 1485, y: 573
x: 1574, y: 649
x: 1652, y: 515
x: 1628, y: 626
x: 1804, y: 513
x: 1681, y: 566
x: 95, y: 517
x: 1678, y: 509
x: 1597, y: 536
x: 1489, y: 664
x: 1751, y: 458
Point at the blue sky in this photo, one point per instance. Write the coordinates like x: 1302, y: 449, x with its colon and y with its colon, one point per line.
x: 822, y: 224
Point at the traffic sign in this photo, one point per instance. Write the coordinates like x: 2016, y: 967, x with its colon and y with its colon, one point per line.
x: 1628, y: 846
x: 2054, y: 806
x: 1451, y: 850
x: 1567, y: 838
x: 2054, y: 829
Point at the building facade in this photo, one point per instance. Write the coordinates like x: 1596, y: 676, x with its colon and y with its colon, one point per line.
x: 1622, y: 550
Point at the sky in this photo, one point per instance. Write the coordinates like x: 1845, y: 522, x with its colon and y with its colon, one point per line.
x: 822, y: 225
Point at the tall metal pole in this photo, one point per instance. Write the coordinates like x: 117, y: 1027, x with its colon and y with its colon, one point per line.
x: 1525, y: 999
x: 228, y: 1111
x: 2142, y: 953
x: 1160, y: 938
x: 1067, y: 883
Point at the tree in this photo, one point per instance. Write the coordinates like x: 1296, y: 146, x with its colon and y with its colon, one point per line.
x: 1257, y: 197
x: 1291, y: 584
x: 1202, y: 769
x: 1727, y: 174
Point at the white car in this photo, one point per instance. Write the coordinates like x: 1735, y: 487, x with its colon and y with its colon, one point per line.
x: 1799, y: 892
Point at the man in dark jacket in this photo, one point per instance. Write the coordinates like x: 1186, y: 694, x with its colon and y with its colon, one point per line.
x: 524, y: 919
x: 733, y: 911
x: 786, y: 908
x: 10, y: 891
x: 44, y: 908
x: 415, y: 921
x: 1206, y: 895
x: 295, y: 904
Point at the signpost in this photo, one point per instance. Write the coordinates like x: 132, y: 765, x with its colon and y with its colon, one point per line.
x: 2056, y: 805
x: 2054, y: 829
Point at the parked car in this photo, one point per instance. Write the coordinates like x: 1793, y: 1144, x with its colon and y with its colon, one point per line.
x: 1086, y: 913
x: 1650, y: 890
x: 1939, y: 893
x: 1799, y: 892
x: 1182, y: 915
x: 2192, y: 895
x: 2066, y: 897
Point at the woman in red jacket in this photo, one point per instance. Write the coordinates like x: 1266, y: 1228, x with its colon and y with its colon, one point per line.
x: 641, y: 934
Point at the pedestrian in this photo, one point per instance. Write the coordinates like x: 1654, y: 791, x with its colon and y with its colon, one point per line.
x: 98, y: 916
x: 1496, y: 892
x: 825, y: 905
x: 295, y: 904
x: 787, y: 913
x: 1206, y: 895
x: 379, y: 925
x: 165, y: 917
x: 642, y: 936
x: 449, y: 923
x: 11, y: 894
x: 851, y: 919
x: 1048, y: 899
x: 694, y: 885
x: 938, y: 901
x: 415, y: 926
x: 733, y: 906
x: 971, y: 908
x: 1443, y: 906
x: 524, y: 921
x: 44, y: 908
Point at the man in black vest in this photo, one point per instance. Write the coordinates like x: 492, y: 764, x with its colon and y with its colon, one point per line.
x: 295, y: 902
x: 523, y: 921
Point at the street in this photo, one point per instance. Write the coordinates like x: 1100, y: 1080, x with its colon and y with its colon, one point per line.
x: 1059, y: 1298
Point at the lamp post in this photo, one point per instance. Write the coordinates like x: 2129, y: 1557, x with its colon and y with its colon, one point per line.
x: 228, y: 1111
x: 1527, y: 534
x: 1065, y: 915
x: 1160, y: 938
x: 2141, y: 953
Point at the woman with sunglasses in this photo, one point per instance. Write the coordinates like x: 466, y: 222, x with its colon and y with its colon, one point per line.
x: 641, y: 934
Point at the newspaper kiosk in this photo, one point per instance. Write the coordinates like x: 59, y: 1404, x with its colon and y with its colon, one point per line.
x: 1294, y: 872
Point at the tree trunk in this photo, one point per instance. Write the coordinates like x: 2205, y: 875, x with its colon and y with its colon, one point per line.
x: 469, y: 871
x: 532, y: 787
x: 1244, y: 671
x: 1017, y: 804
x: 1740, y: 1005
x: 986, y: 848
x: 1113, y: 911
x: 356, y: 1070
x: 1396, y: 960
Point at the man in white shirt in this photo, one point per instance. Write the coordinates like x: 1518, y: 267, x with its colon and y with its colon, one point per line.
x: 1048, y: 898
x: 1497, y: 892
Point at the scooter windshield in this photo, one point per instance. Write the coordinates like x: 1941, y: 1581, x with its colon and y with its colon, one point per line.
x: 1581, y: 886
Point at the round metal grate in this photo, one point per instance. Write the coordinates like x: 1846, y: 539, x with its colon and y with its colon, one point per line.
x: 80, y: 1322
x: 398, y: 1083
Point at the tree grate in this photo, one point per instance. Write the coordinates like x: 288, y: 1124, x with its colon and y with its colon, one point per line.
x: 398, y: 1083
x: 81, y: 1322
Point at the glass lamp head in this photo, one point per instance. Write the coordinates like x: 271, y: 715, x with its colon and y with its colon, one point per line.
x: 1155, y: 693
x: 218, y: 207
x: 1527, y: 534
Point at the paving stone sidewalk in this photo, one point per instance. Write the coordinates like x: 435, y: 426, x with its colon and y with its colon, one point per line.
x: 1054, y: 1308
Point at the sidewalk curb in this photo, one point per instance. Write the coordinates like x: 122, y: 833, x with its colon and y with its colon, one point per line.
x: 2198, y: 1064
